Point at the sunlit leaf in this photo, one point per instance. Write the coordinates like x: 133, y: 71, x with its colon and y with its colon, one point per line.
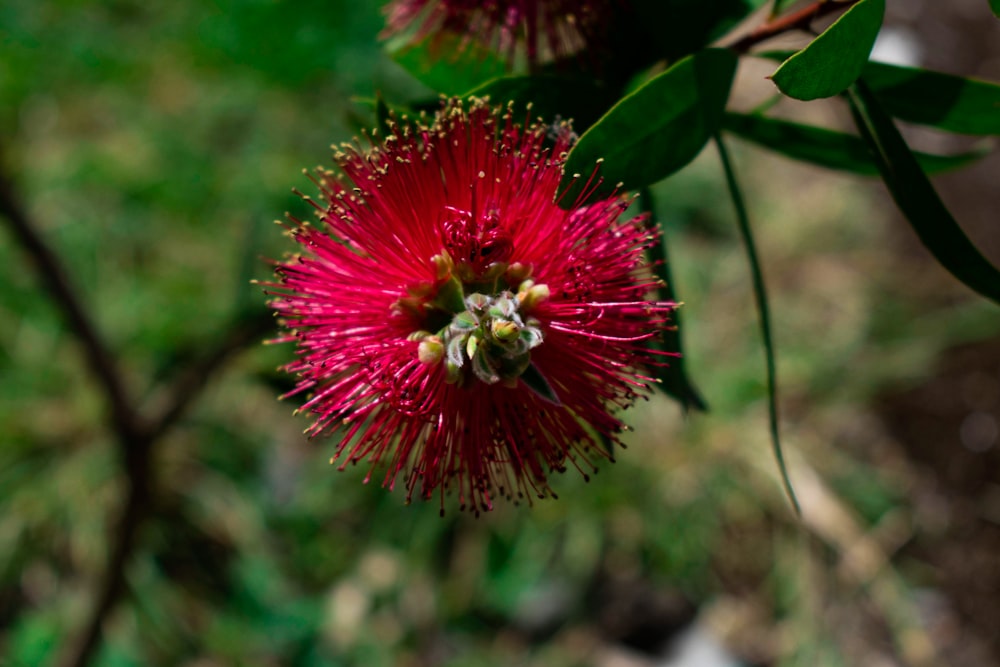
x: 835, y: 59
x: 917, y: 199
x: 829, y: 148
x: 656, y: 130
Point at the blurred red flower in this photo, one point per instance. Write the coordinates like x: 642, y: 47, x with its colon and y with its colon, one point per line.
x: 545, y: 30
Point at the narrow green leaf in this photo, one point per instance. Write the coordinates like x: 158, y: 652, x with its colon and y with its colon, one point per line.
x: 917, y: 199
x: 945, y: 101
x: 446, y: 64
x: 763, y: 314
x: 829, y: 148
x: 551, y: 96
x: 674, y: 380
x: 835, y: 59
x: 954, y: 103
x: 656, y: 130
x: 995, y: 6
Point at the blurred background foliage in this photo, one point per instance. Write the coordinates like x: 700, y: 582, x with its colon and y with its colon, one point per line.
x: 154, y: 143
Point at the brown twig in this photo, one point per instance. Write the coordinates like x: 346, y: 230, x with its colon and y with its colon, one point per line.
x: 137, y: 462
x: 138, y: 471
x: 243, y: 332
x: 798, y: 20
x: 133, y: 443
x: 134, y: 435
x: 56, y: 281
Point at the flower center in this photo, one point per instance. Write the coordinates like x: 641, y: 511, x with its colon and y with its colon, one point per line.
x: 475, y: 315
x: 490, y: 334
x: 480, y: 335
x: 490, y: 337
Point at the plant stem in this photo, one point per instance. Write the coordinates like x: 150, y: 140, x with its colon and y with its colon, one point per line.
x: 240, y: 334
x: 135, y: 436
x: 112, y: 586
x: 798, y: 20
x: 764, y: 315
x: 133, y: 441
x: 56, y: 281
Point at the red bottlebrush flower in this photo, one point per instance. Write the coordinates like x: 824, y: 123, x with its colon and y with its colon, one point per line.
x: 545, y: 29
x: 454, y: 324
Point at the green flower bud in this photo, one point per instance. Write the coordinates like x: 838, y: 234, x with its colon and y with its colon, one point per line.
x: 443, y: 265
x: 517, y: 273
x: 532, y: 295
x: 505, y: 331
x: 430, y: 351
x: 488, y: 340
x: 471, y: 345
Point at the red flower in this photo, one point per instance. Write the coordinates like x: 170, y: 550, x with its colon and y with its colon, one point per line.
x: 547, y: 29
x: 454, y: 324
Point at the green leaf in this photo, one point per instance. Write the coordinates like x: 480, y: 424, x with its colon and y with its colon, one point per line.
x: 917, y: 199
x: 829, y: 148
x: 446, y: 64
x: 957, y: 104
x: 550, y: 96
x: 945, y: 101
x: 656, y: 130
x: 763, y: 315
x: 995, y: 6
x: 674, y: 380
x: 835, y: 59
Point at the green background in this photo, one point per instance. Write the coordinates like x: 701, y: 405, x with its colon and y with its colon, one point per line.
x: 155, y: 143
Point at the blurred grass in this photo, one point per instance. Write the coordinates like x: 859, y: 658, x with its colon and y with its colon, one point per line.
x: 155, y: 143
